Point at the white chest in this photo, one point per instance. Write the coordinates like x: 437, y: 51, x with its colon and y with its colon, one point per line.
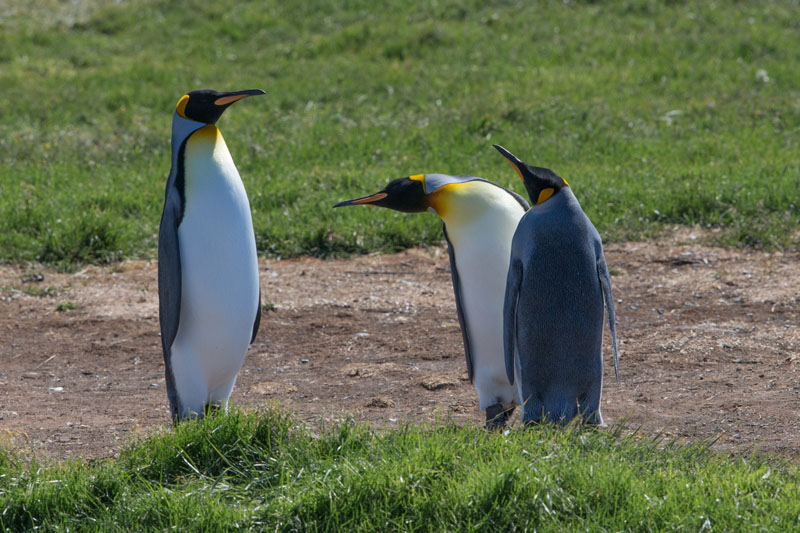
x: 219, y: 267
x: 482, y: 246
x: 483, y: 250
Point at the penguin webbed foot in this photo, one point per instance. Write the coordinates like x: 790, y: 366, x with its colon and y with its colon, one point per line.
x: 543, y: 420
x: 497, y: 416
x: 208, y: 409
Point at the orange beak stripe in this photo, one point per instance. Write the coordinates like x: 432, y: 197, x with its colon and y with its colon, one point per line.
x: 517, y: 169
x: 225, y: 100
x: 369, y: 199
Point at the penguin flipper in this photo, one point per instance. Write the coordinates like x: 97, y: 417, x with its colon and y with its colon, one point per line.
x: 513, y: 282
x: 257, y: 321
x: 462, y: 321
x: 605, y: 283
x: 169, y: 290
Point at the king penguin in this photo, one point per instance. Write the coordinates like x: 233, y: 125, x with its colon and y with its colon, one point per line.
x: 208, y: 287
x: 479, y: 219
x: 557, y: 285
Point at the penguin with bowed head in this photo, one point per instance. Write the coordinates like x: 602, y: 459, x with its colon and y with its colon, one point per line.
x: 557, y: 286
x: 208, y: 286
x: 479, y: 219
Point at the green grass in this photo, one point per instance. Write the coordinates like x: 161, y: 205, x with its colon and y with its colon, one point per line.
x: 655, y: 112
x: 260, y: 471
x: 66, y: 306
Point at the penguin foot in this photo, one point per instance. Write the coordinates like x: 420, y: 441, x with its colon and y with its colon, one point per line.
x: 497, y: 416
x: 595, y: 421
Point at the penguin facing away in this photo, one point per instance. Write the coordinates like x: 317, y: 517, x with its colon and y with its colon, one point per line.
x: 557, y: 285
x: 479, y: 219
x: 208, y: 286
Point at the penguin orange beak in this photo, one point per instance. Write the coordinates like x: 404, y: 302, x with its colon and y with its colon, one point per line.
x: 514, y: 160
x: 371, y: 199
x: 235, y: 96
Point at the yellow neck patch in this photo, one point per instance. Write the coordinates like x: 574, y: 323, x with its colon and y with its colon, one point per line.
x: 181, y: 107
x: 439, y: 199
x: 545, y: 194
x: 464, y: 202
x: 208, y: 133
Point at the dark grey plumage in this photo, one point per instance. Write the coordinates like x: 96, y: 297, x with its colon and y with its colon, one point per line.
x: 169, y: 268
x: 462, y: 321
x: 557, y: 286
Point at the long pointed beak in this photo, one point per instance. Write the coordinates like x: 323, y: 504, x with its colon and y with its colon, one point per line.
x: 235, y: 96
x: 508, y: 155
x: 372, y: 198
x: 514, y: 160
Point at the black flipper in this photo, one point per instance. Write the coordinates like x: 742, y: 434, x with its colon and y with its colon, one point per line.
x: 513, y: 282
x: 169, y: 288
x: 459, y: 306
x: 257, y: 321
x: 169, y: 273
x: 605, y: 283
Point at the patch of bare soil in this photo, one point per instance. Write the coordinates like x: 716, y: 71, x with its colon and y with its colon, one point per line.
x: 709, y: 341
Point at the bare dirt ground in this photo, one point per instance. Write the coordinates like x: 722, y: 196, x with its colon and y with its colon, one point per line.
x: 709, y: 341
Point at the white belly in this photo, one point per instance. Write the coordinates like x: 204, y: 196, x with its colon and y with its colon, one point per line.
x: 219, y: 272
x: 483, y: 250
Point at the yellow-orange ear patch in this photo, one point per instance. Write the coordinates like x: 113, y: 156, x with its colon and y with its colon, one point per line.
x: 225, y: 100
x: 181, y: 107
x: 545, y: 194
x: 565, y: 182
x: 420, y: 178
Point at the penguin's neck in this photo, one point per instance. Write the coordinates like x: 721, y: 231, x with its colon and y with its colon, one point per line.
x: 560, y: 199
x: 208, y: 161
x: 461, y: 204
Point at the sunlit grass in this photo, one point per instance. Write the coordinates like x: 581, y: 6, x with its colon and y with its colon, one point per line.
x: 261, y: 471
x: 657, y: 113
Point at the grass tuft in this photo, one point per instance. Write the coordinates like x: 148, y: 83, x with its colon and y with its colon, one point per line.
x: 259, y: 470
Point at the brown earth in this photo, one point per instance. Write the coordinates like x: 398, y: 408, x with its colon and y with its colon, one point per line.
x: 709, y: 348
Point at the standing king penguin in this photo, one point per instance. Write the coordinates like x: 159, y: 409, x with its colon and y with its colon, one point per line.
x: 479, y: 219
x: 208, y: 288
x: 553, y: 312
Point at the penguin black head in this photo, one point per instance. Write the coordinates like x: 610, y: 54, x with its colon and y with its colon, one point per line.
x: 541, y: 183
x: 403, y: 194
x: 206, y: 105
